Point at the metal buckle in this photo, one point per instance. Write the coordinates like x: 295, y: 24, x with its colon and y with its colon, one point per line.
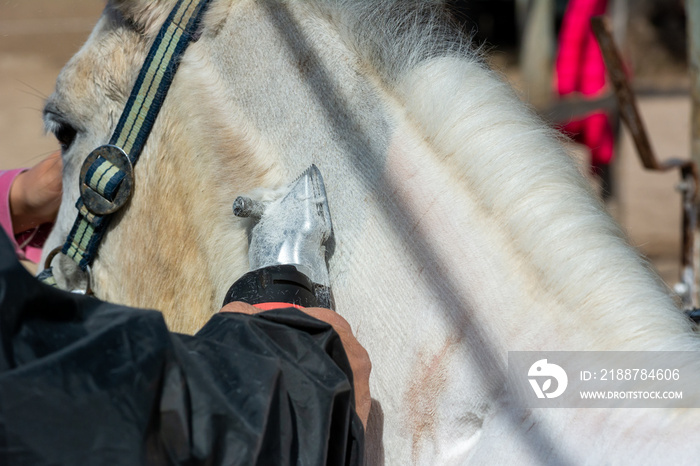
x: 49, y: 258
x: 47, y: 265
x: 93, y: 201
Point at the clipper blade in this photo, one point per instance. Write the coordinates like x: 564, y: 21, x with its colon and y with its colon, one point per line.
x: 296, y: 229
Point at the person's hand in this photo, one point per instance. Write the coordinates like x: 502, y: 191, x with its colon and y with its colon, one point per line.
x: 35, y: 194
x: 357, y: 355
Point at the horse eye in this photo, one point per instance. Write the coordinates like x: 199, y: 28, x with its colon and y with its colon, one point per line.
x: 65, y: 134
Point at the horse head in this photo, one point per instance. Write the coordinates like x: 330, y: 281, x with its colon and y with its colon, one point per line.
x: 193, y: 130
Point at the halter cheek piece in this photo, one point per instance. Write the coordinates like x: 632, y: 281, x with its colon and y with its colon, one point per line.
x: 107, y: 175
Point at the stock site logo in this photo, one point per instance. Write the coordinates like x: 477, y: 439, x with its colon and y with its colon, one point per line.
x: 541, y: 370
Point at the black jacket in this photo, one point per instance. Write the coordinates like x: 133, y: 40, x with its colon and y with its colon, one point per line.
x: 87, y: 382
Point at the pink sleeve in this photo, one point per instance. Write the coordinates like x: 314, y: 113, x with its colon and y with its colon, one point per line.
x: 28, y: 243
x: 573, y: 59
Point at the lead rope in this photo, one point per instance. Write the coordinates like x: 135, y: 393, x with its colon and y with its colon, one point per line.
x: 107, y: 175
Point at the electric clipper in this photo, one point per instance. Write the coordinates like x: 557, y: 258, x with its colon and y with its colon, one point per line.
x: 289, y: 248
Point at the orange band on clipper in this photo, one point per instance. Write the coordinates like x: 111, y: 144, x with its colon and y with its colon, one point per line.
x: 271, y: 306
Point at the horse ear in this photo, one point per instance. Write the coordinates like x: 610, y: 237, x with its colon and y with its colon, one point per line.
x: 146, y: 15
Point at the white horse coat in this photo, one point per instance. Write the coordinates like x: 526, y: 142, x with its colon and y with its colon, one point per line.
x: 463, y: 229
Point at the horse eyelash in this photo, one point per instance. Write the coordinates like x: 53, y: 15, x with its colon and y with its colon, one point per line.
x: 64, y: 132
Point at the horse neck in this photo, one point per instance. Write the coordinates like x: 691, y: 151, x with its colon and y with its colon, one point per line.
x: 443, y: 172
x: 462, y: 228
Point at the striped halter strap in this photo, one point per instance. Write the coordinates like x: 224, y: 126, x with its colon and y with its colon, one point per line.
x: 107, y: 175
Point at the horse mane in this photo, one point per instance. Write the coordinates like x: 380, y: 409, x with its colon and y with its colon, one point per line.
x: 394, y: 36
x: 503, y: 153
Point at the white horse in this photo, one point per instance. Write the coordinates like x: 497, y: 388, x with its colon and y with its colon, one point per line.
x: 463, y: 229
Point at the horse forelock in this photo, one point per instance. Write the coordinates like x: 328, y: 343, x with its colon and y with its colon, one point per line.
x: 146, y: 16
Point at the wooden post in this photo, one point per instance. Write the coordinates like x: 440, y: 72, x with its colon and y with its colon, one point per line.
x: 693, y: 15
x: 692, y: 8
x: 619, y: 11
x: 536, y: 54
x: 521, y: 9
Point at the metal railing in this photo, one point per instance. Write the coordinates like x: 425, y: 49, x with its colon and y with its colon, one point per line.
x: 688, y: 187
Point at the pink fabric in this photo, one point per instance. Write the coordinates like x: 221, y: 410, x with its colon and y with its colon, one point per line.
x: 580, y: 69
x: 27, y: 244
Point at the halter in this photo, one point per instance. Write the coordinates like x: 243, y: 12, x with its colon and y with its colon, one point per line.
x: 107, y: 175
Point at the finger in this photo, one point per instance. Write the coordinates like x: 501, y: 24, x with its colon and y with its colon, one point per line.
x: 241, y: 308
x: 39, y: 189
x: 54, y: 173
x: 48, y: 176
x: 338, y: 323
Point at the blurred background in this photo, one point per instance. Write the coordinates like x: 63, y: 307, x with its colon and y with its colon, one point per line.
x: 521, y: 39
x: 525, y: 40
x: 37, y: 37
